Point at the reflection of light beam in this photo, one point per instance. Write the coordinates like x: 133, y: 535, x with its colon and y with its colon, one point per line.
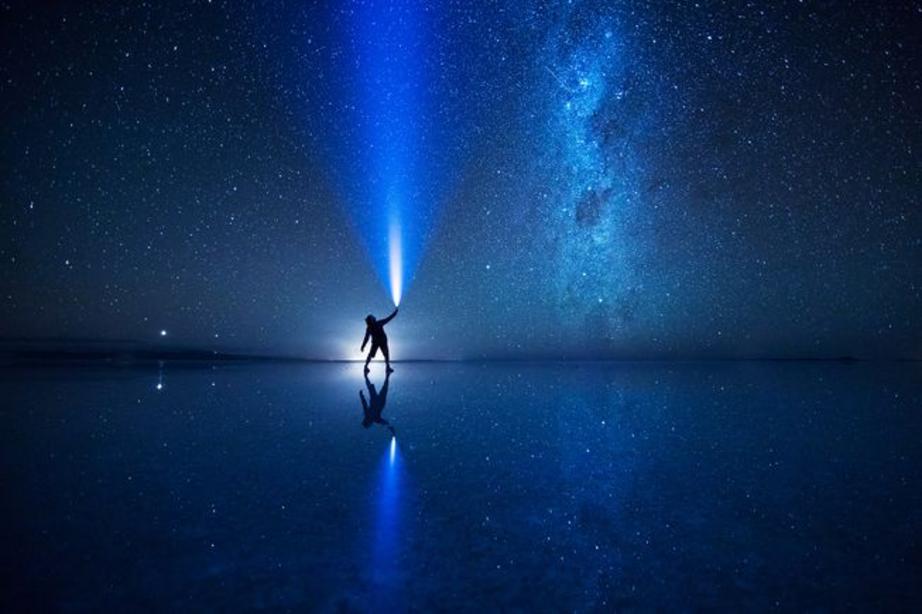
x: 395, y: 252
x: 385, y: 568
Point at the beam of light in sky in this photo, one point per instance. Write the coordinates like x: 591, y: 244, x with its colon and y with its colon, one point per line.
x: 395, y: 253
x: 390, y: 48
x: 390, y: 150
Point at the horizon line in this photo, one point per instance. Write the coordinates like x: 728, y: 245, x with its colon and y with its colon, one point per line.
x: 51, y: 349
x: 205, y: 357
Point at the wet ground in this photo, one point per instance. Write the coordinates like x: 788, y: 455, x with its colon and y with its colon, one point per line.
x: 584, y: 487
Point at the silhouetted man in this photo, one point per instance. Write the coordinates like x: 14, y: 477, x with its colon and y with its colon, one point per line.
x: 375, y: 330
x: 374, y: 407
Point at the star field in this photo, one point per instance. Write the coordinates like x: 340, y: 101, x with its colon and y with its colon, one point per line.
x: 600, y: 179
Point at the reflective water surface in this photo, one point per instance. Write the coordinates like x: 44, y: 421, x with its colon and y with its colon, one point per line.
x: 468, y: 487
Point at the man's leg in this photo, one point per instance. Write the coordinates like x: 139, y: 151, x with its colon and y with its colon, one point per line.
x: 371, y: 354
x: 387, y: 356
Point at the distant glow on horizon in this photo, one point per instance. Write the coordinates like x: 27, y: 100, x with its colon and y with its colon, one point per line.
x: 348, y: 348
x: 395, y: 255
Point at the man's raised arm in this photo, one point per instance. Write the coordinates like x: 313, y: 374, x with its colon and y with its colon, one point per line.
x: 388, y: 318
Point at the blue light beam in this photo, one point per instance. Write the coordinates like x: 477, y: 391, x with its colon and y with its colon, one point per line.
x: 395, y: 252
x: 386, y: 569
x: 391, y: 153
x: 390, y: 50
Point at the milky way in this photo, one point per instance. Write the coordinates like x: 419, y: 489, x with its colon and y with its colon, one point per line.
x: 598, y: 179
x: 593, y: 194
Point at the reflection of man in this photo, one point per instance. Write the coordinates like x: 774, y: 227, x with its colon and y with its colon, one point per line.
x: 374, y: 406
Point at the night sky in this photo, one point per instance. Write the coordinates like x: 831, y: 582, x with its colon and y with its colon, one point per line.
x: 577, y: 179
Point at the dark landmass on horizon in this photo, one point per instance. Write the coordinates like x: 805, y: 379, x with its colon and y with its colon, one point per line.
x: 120, y: 352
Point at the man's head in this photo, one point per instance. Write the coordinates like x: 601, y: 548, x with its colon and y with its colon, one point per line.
x: 370, y: 319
